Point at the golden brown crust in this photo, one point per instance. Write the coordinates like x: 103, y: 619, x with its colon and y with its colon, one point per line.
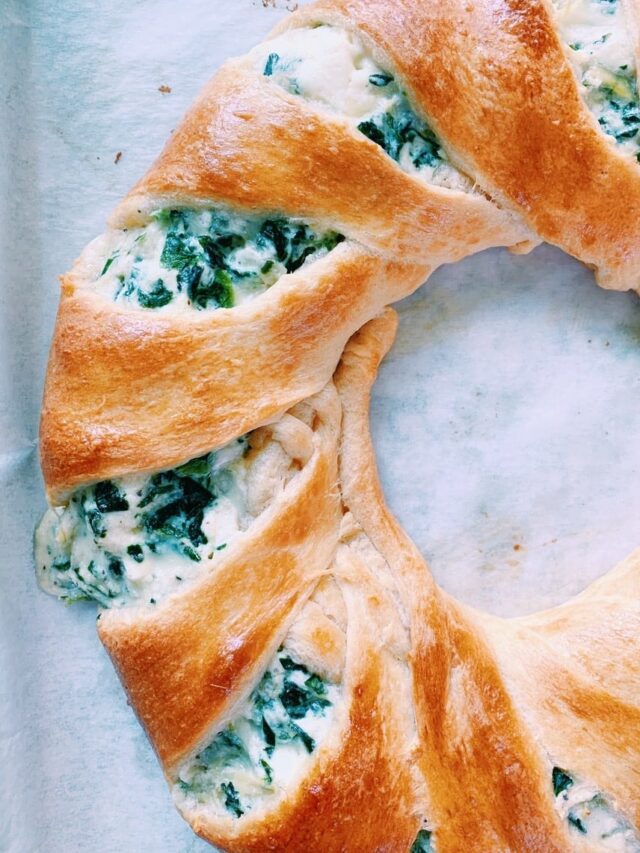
x: 184, y: 662
x: 494, y: 82
x: 150, y: 391
x: 577, y: 670
x: 359, y: 794
x: 446, y: 713
x: 187, y: 664
x: 249, y: 144
x: 523, y: 133
x: 499, y: 701
x: 488, y: 785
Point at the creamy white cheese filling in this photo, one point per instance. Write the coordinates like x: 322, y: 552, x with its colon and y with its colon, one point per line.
x: 591, y: 815
x: 601, y: 50
x: 204, y: 259
x: 331, y: 68
x: 267, y: 745
x: 137, y: 539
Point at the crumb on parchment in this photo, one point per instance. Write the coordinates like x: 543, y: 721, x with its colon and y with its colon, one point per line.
x: 118, y: 157
x: 164, y: 89
x: 289, y: 5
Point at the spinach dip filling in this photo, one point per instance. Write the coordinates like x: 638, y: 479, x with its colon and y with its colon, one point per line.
x: 591, y: 815
x: 423, y: 843
x: 205, y: 259
x: 602, y: 54
x: 331, y: 67
x: 261, y: 751
x: 137, y: 539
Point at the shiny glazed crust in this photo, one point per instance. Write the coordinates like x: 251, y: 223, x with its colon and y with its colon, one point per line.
x: 361, y: 790
x: 248, y: 144
x: 448, y: 714
x: 181, y: 675
x: 511, y: 118
x: 133, y: 406
x: 498, y: 702
x: 185, y: 679
x: 495, y: 83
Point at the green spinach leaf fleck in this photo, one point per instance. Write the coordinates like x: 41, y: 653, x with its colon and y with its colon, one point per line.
x: 561, y: 780
x: 422, y: 844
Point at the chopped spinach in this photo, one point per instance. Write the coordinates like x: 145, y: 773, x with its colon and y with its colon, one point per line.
x: 380, y: 79
x: 218, y: 291
x: 268, y: 771
x: 109, y: 498
x: 199, y: 262
x: 211, y: 256
x: 293, y: 243
x: 609, y: 90
x: 188, y: 279
x: 621, y: 115
x: 165, y: 514
x: 96, y: 523
x: 157, y: 296
x: 375, y: 131
x: 214, y: 249
x: 299, y: 701
x: 231, y: 799
x: 422, y: 844
x: 103, y: 579
x: 116, y: 566
x: 175, y: 503
x: 273, y: 232
x: 269, y: 737
x: 561, y: 780
x: 589, y: 811
x: 275, y: 65
x: 278, y: 701
x: 270, y: 66
x: 135, y: 551
x: 287, y: 693
x: 574, y: 820
x: 226, y: 748
x: 108, y: 263
x: 395, y: 127
x: 180, y: 250
x: 400, y: 129
x: 603, y: 39
x: 199, y: 467
x: 291, y: 665
x: 128, y: 285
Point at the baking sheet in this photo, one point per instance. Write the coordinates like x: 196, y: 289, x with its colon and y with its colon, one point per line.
x: 505, y: 417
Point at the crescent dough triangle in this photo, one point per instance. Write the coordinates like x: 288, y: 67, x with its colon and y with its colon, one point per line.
x: 206, y: 449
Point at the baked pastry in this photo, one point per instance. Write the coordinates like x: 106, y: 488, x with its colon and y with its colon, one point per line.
x: 376, y: 137
x: 527, y: 727
x: 255, y: 603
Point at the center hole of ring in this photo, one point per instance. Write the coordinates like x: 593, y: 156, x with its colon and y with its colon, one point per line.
x: 506, y: 422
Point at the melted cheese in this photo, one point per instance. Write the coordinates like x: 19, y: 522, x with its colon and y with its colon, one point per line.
x: 332, y: 69
x: 601, y: 52
x: 201, y: 259
x: 73, y: 559
x: 240, y: 756
x: 591, y: 816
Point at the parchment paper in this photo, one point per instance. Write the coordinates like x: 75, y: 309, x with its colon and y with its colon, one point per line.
x: 505, y: 418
